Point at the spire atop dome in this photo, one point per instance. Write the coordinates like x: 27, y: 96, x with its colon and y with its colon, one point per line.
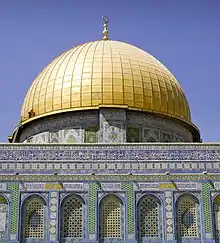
x: 105, y: 31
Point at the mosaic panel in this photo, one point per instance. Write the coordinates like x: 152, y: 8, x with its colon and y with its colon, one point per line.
x: 3, y: 218
x: 109, y: 178
x: 77, y: 119
x: 93, y: 187
x: 171, y: 186
x: 150, y: 122
x: 62, y: 124
x: 112, y: 125
x: 110, y: 186
x: 134, y: 166
x: 150, y: 135
x: 36, y: 186
x: 40, y: 138
x: 100, y: 152
x: 207, y: 205
x: 76, y: 186
x: 169, y: 212
x: 55, y: 137
x: 3, y: 186
x: 113, y: 133
x: 113, y: 114
x: 53, y: 215
x: 128, y: 187
x: 72, y: 136
x: 14, y: 188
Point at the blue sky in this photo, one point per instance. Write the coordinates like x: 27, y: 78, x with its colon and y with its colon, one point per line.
x: 183, y: 34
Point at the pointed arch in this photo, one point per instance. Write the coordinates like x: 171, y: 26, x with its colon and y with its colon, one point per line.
x: 111, y: 218
x: 33, y: 218
x: 188, y: 215
x: 72, y: 220
x: 149, y: 217
x: 3, y: 217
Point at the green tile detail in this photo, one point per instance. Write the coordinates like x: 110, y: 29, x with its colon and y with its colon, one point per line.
x: 93, y: 187
x: 110, y: 177
x: 3, y: 200
x: 130, y: 206
x: 207, y: 206
x: 71, y: 139
x: 14, y: 188
x: 91, y: 134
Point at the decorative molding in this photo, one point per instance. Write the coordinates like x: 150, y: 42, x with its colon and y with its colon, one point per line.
x: 35, y: 186
x: 109, y: 178
x: 111, y: 186
x: 177, y: 153
x: 3, y: 186
x: 168, y: 186
x: 169, y: 213
x: 148, y: 186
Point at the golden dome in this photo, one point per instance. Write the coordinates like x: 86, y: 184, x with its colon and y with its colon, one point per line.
x: 105, y: 73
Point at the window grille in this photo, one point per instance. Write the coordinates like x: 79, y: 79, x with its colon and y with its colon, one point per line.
x: 217, y: 217
x: 110, y: 226
x: 187, y: 217
x: 72, y: 218
x: 133, y: 134
x: 3, y: 217
x: 148, y: 214
x: 34, y: 218
x: 91, y: 134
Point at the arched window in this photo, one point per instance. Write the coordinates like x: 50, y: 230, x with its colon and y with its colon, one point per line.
x: 91, y: 134
x: 34, y: 218
x: 187, y: 217
x: 149, y: 218
x: 3, y: 218
x: 217, y: 218
x: 72, y: 219
x: 111, y: 218
x: 133, y: 134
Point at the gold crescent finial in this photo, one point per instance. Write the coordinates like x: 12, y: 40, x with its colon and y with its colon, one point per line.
x: 105, y: 31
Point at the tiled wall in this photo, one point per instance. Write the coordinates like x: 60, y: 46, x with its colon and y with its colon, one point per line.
x: 130, y: 192
x: 105, y: 126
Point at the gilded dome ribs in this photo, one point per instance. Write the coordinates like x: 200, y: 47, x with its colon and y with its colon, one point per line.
x: 109, y: 73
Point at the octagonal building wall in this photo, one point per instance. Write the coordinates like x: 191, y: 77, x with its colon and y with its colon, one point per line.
x: 106, y: 125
